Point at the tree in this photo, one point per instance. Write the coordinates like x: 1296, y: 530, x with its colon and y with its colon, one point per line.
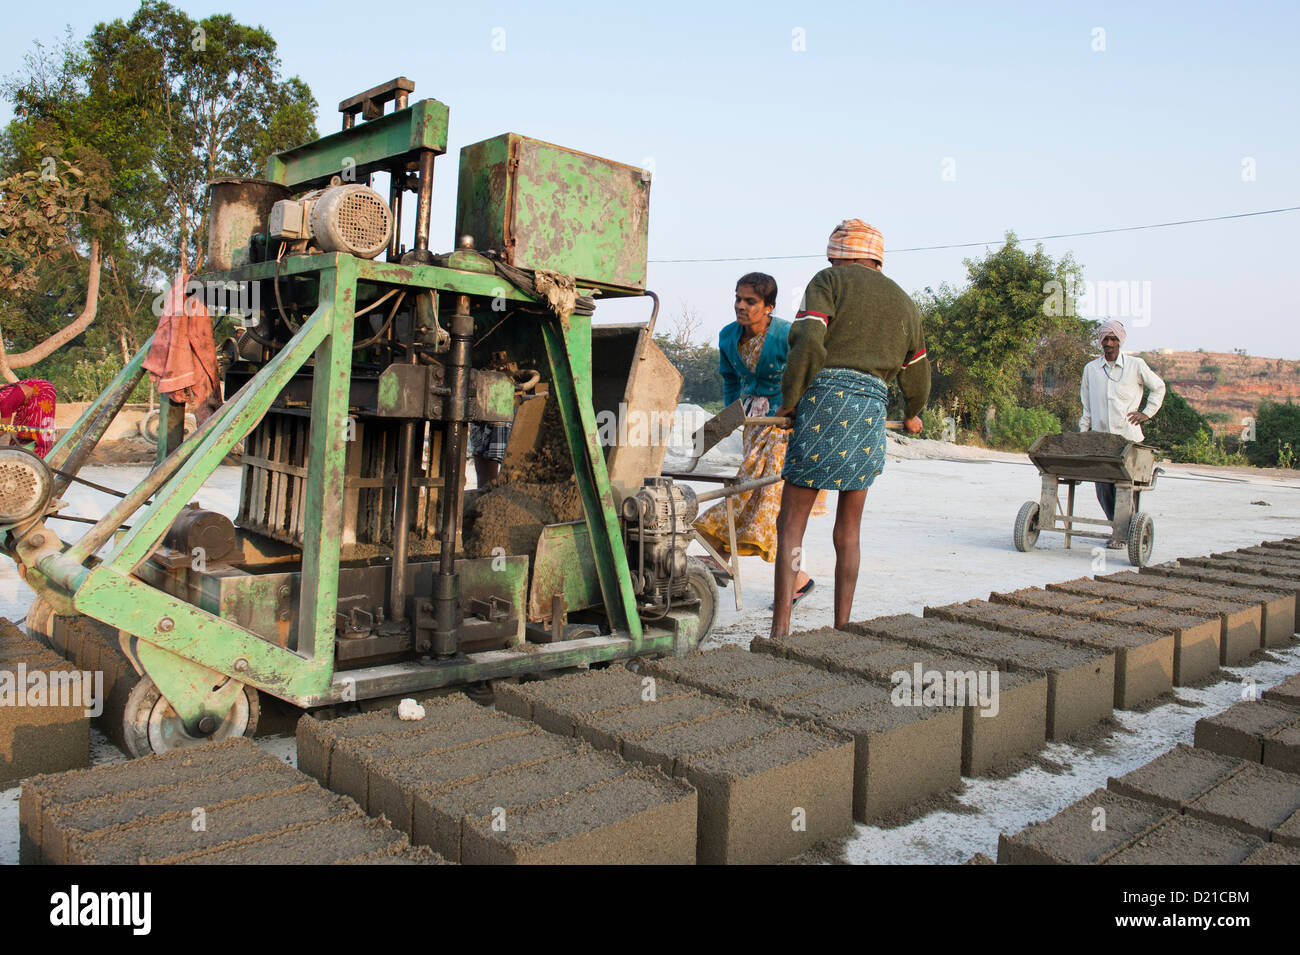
x: 1277, y: 434
x: 43, y: 215
x: 166, y: 103
x: 1010, y: 336
x: 209, y: 93
x: 1176, y: 423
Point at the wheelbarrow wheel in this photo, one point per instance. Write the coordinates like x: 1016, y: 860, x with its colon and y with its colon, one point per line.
x: 1026, y: 533
x: 1141, y: 536
x: 150, y: 725
x: 704, y: 588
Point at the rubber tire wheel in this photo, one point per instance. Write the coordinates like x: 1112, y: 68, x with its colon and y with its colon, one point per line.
x: 1026, y: 532
x: 145, y: 699
x: 702, y: 585
x: 1141, y: 538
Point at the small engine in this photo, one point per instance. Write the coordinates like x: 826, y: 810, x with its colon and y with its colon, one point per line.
x: 659, y: 519
x: 349, y: 218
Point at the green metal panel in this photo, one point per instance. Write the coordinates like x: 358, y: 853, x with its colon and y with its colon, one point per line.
x: 400, y: 135
x: 326, y: 463
x: 546, y: 207
x: 568, y: 347
x: 565, y: 564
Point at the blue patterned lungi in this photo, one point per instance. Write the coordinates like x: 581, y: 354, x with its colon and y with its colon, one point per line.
x: 838, y: 441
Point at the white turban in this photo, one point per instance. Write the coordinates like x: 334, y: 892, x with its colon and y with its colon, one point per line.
x: 1112, y: 327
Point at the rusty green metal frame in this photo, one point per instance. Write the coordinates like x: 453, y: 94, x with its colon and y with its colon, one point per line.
x: 110, y: 592
x: 376, y: 144
x: 188, y: 645
x: 568, y: 347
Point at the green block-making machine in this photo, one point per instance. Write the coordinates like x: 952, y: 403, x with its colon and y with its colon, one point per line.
x: 349, y: 391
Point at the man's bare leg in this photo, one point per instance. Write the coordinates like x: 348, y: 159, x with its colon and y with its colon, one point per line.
x: 796, y: 505
x: 848, y: 551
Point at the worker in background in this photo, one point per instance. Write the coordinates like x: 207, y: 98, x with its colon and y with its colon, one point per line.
x: 856, y: 332
x: 27, y: 415
x: 751, y: 360
x: 1111, y: 395
x: 487, y: 442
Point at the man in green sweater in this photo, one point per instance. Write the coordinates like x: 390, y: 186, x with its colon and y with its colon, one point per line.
x: 856, y: 332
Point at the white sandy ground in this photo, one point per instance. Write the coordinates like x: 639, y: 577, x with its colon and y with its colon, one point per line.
x: 935, y: 531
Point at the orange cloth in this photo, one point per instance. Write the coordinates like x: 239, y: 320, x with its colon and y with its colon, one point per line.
x: 182, y: 360
x: 854, y: 239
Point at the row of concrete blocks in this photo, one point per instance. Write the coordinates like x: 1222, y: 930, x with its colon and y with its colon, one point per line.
x: 227, y: 803
x: 42, y: 734
x: 1232, y: 799
x: 1189, y: 806
x: 771, y: 743
x: 661, y: 773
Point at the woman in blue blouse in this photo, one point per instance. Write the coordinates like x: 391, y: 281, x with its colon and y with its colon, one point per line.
x: 752, y: 352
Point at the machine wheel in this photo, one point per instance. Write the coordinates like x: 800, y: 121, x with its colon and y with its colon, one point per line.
x: 1026, y: 532
x: 1141, y: 535
x: 150, y: 725
x: 703, y: 586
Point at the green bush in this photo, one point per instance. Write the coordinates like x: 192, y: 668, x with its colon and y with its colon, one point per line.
x: 1206, y: 448
x: 1175, y: 423
x: 1015, y: 429
x: 1277, y: 434
x: 933, y: 423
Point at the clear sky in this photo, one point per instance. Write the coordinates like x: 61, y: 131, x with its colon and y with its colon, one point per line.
x: 767, y: 123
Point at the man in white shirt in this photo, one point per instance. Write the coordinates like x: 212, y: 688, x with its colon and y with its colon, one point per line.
x: 1111, y: 394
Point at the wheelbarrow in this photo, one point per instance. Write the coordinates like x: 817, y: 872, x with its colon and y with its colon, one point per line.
x: 1091, y: 456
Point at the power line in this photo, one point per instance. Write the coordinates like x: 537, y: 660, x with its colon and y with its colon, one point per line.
x: 971, y: 245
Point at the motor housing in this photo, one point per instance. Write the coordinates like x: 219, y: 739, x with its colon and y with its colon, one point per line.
x: 349, y: 218
x: 659, y: 518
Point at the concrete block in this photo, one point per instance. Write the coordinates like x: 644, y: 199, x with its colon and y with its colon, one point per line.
x: 1185, y: 840
x: 1088, y: 832
x: 1256, y: 800
x: 1177, y: 778
x: 902, y: 755
x: 317, y: 738
x: 1241, y: 729
x: 174, y: 804
x: 767, y: 789
x: 1272, y: 853
x: 1278, y: 603
x: 487, y: 786
x: 1018, y: 727
x: 41, y: 794
x: 1286, y: 693
x: 1144, y: 659
x: 1282, y: 748
x: 217, y: 803
x: 439, y: 812
x: 44, y: 726
x: 631, y: 819
x: 1196, y: 639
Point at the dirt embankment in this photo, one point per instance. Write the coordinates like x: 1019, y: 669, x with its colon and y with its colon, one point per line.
x: 1227, y: 383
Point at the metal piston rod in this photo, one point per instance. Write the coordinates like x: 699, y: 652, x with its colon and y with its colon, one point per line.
x: 446, y: 590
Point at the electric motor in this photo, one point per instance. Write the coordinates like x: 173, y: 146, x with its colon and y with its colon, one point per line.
x: 349, y: 218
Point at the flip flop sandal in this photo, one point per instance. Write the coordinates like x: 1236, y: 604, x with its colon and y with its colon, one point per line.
x: 802, y: 592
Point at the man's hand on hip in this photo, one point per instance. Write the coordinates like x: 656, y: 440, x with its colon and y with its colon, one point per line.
x: 1137, y: 417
